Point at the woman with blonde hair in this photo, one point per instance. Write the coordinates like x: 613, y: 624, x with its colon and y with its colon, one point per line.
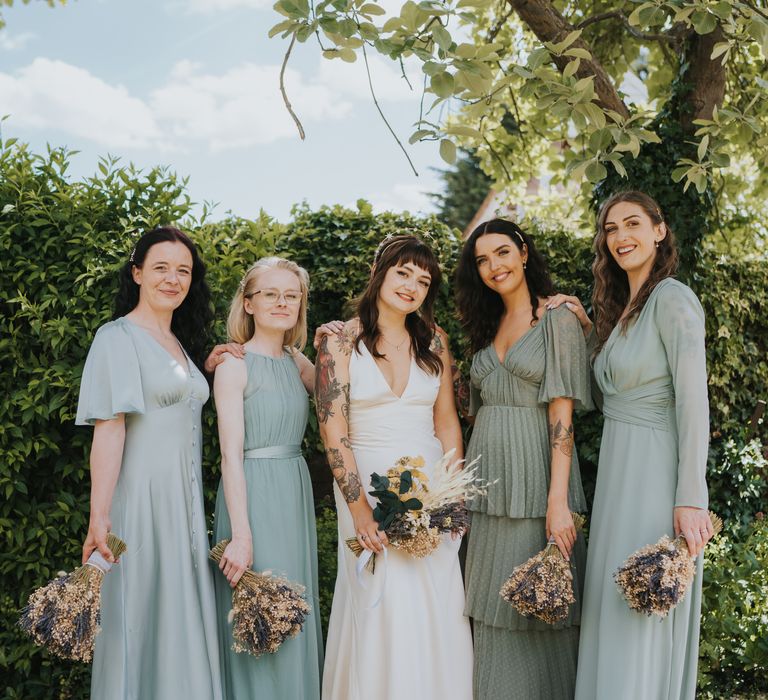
x: 264, y: 503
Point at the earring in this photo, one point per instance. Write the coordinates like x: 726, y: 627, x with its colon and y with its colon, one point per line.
x: 525, y: 265
x: 657, y: 244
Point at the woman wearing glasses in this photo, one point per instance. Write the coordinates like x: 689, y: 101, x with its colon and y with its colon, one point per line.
x: 264, y: 504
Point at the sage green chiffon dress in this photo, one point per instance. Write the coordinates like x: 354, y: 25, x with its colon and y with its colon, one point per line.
x: 282, y: 519
x: 518, y: 658
x: 158, y: 623
x: 653, y: 457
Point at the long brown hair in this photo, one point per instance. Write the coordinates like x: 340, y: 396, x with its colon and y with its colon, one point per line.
x: 481, y: 308
x: 400, y: 250
x: 611, y: 293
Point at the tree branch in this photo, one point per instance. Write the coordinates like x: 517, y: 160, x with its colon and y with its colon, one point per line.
x: 618, y: 14
x: 282, y: 88
x: 381, y: 114
x: 548, y: 24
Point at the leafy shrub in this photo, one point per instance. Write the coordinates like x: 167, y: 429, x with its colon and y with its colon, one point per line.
x: 62, y: 243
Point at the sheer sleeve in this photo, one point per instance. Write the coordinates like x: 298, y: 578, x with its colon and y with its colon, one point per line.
x: 566, y: 373
x: 111, y: 382
x: 680, y: 321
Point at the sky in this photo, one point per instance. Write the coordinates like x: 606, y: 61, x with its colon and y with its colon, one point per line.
x: 193, y: 84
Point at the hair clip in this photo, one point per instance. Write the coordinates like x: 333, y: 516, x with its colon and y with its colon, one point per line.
x: 242, y: 285
x: 133, y: 254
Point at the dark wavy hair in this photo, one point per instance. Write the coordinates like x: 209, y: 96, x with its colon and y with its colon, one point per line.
x: 193, y: 319
x: 611, y: 292
x: 480, y: 308
x: 400, y: 250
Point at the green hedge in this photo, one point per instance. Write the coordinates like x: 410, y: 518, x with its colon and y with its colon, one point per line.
x: 61, y: 243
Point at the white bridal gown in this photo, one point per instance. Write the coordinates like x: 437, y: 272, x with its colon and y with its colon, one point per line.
x: 398, y: 634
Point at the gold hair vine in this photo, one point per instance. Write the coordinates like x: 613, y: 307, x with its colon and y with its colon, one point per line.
x: 133, y: 255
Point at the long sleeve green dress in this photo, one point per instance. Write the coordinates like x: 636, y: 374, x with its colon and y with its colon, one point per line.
x: 653, y: 457
x: 518, y: 658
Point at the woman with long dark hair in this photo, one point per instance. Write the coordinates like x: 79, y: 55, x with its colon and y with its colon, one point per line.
x: 650, y: 367
x: 383, y: 391
x: 143, y: 393
x: 529, y: 371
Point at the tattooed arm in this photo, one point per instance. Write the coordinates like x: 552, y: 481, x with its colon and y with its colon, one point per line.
x: 447, y: 426
x: 332, y: 406
x: 559, y: 519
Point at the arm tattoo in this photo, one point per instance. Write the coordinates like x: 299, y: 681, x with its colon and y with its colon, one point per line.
x: 345, y: 340
x: 349, y: 482
x: 561, y: 438
x: 327, y: 387
x: 437, y: 344
x: 345, y: 402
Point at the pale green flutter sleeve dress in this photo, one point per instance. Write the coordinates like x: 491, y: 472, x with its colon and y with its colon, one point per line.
x: 653, y: 457
x: 518, y: 658
x: 158, y: 627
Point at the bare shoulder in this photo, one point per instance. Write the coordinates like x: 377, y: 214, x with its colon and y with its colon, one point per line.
x: 231, y: 373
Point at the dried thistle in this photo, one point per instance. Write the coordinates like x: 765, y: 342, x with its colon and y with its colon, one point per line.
x: 266, y: 609
x: 65, y: 614
x: 542, y: 587
x: 656, y: 577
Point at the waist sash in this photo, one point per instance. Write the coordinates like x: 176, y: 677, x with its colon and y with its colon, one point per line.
x: 273, y: 452
x: 651, y: 405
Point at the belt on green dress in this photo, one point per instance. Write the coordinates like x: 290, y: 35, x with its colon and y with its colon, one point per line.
x: 273, y: 452
x: 651, y: 405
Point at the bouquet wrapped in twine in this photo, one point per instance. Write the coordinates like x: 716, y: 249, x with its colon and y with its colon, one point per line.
x: 542, y: 587
x: 414, y: 512
x: 266, y: 609
x: 656, y: 577
x: 64, y: 615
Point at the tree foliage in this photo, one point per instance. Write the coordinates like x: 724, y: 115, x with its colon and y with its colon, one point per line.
x: 465, y: 187
x: 546, y: 86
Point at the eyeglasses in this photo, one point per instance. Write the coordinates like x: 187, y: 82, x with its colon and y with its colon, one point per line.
x: 272, y: 296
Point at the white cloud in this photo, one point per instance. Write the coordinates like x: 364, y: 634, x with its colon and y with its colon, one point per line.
x: 50, y: 94
x: 241, y: 107
x: 12, y: 42
x: 388, y: 82
x: 410, y: 197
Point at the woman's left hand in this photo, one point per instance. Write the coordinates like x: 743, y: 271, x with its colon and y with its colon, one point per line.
x: 574, y: 306
x: 560, y: 527
x: 330, y: 328
x: 217, y: 355
x: 695, y: 525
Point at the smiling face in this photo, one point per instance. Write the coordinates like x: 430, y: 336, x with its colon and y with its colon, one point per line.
x: 500, y: 262
x: 164, y: 276
x: 275, y: 301
x: 631, y: 237
x: 405, y: 287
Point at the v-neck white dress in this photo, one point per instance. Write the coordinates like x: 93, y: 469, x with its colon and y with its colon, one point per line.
x: 401, y: 632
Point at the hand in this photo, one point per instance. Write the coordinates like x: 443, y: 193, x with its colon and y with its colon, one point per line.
x: 237, y: 557
x: 560, y: 527
x: 367, y: 530
x: 217, y: 355
x: 574, y: 305
x: 695, y: 525
x: 330, y: 328
x: 96, y: 539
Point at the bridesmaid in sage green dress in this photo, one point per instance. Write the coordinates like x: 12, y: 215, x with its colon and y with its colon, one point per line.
x: 528, y: 373
x: 264, y: 504
x: 651, y: 371
x: 143, y: 393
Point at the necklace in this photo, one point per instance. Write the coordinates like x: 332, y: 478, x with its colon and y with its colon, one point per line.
x: 398, y: 345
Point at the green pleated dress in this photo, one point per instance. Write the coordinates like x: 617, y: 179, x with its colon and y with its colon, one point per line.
x: 282, y: 519
x: 517, y: 658
x: 653, y: 457
x: 158, y: 622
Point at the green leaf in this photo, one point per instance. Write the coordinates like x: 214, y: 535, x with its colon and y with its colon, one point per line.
x: 458, y: 130
x: 571, y: 67
x: 441, y: 36
x: 701, y: 151
x: 448, y: 151
x: 704, y: 22
x: 371, y: 8
x: 596, y: 171
x: 578, y: 52
x: 442, y: 84
x: 420, y: 134
x: 280, y: 27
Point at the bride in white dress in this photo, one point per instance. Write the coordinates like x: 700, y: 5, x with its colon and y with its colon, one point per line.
x: 383, y: 391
